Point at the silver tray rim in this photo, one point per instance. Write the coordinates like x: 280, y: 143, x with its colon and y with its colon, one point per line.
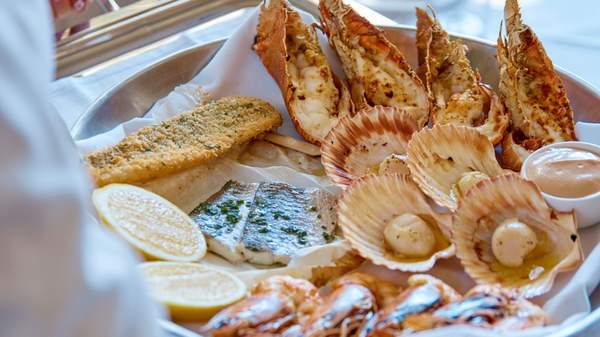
x: 82, y: 121
x: 591, y: 319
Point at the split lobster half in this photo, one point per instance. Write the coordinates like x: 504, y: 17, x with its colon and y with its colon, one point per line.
x: 531, y: 90
x: 377, y: 71
x: 315, y: 98
x: 459, y: 96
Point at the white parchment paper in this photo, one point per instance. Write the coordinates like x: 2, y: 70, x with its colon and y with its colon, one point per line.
x: 236, y: 70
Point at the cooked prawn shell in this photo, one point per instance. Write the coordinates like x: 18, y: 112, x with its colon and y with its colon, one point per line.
x: 358, y: 144
x: 376, y: 70
x: 484, y: 306
x: 352, y: 301
x: 372, y: 203
x: 274, y: 304
x: 439, y: 158
x: 484, y: 213
x: 383, y: 290
x: 289, y: 49
x: 459, y: 96
x: 425, y: 293
x: 532, y: 91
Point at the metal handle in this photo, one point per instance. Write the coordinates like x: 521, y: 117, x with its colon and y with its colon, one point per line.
x: 163, y: 19
x: 160, y: 19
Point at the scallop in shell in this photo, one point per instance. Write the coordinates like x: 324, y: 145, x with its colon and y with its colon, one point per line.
x: 358, y: 144
x: 505, y: 233
x: 388, y: 220
x: 447, y: 160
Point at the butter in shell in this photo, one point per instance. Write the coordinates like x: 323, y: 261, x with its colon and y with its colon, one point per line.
x: 372, y: 202
x: 440, y: 159
x: 490, y: 204
x: 358, y: 144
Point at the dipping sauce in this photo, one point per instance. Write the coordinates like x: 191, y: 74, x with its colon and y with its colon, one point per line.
x: 565, y: 172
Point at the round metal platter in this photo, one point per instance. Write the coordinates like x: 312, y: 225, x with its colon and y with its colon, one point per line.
x: 135, y: 96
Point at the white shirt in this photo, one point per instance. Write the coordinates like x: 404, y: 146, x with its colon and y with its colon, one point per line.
x: 61, y: 273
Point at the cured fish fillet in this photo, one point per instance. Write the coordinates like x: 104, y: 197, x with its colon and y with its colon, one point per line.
x: 265, y: 223
x: 289, y: 49
x: 532, y: 91
x: 377, y: 71
x: 458, y: 94
x: 183, y: 141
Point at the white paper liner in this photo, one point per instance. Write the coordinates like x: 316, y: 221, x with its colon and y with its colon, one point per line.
x: 236, y: 70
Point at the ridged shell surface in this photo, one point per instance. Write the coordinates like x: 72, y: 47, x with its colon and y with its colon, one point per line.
x: 493, y: 201
x: 371, y: 202
x: 358, y: 144
x: 440, y: 156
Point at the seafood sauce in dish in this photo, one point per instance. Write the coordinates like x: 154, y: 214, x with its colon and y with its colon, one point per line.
x: 565, y: 171
x: 568, y: 174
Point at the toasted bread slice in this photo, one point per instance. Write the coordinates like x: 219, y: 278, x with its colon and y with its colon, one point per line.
x: 532, y: 91
x: 377, y: 71
x: 183, y: 141
x: 289, y: 49
x: 459, y: 96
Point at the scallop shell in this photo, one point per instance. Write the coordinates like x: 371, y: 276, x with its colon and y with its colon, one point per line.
x: 491, y: 202
x: 358, y: 144
x: 438, y: 157
x: 371, y: 202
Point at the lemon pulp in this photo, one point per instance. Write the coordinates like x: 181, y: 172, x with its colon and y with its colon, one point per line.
x: 191, y: 291
x: 150, y: 223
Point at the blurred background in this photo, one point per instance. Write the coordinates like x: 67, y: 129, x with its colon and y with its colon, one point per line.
x: 570, y: 30
x: 112, y: 39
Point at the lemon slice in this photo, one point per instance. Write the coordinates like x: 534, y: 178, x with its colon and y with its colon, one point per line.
x: 150, y: 223
x: 191, y: 291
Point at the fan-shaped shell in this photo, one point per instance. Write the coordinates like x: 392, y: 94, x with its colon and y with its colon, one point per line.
x: 495, y: 200
x: 371, y: 202
x: 440, y: 156
x: 358, y: 144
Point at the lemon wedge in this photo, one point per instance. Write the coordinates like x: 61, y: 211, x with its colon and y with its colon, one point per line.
x: 150, y: 223
x: 191, y: 291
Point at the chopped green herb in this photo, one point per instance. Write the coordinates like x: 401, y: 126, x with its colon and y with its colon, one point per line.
x: 206, y: 208
x: 257, y: 219
x: 313, y: 209
x: 263, y: 230
x: 233, y: 218
x: 230, y: 208
x: 280, y: 215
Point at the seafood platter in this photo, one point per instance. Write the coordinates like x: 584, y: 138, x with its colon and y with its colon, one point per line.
x: 317, y: 178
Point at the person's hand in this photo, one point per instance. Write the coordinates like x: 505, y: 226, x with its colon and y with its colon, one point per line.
x: 62, y: 7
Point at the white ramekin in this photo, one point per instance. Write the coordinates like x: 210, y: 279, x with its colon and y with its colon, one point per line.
x: 587, y: 209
